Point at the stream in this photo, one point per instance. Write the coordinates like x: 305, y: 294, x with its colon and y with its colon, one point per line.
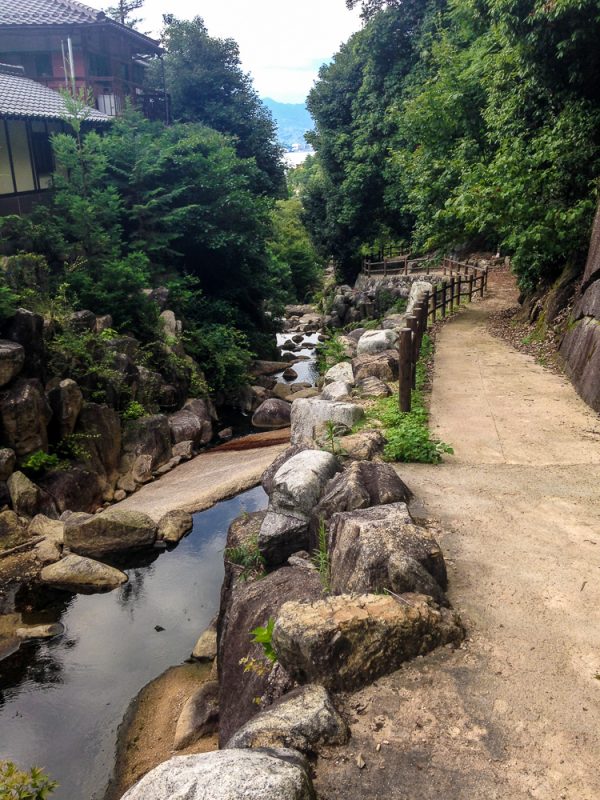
x: 61, y: 701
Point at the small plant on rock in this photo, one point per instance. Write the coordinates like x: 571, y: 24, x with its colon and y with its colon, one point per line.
x: 248, y: 557
x: 39, y: 462
x: 264, y: 636
x: 321, y: 558
x: 134, y: 410
x: 18, y: 785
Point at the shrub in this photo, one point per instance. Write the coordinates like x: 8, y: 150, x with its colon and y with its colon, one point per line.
x: 264, y: 636
x: 18, y: 785
x: 331, y: 352
x: 134, y: 410
x: 248, y: 557
x: 39, y: 462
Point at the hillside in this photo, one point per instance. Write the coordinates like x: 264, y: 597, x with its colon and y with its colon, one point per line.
x: 292, y: 119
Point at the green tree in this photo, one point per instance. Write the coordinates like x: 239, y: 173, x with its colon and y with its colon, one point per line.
x: 207, y: 85
x: 293, y: 250
x: 122, y: 11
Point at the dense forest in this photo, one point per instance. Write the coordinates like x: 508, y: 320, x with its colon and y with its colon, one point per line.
x: 199, y: 207
x: 468, y: 123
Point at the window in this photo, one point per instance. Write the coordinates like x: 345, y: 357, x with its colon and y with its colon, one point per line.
x: 42, y: 153
x: 6, y: 181
x: 43, y: 64
x: 19, y: 144
x: 99, y: 65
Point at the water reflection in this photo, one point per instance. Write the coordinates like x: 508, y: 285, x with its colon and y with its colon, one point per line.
x: 62, y: 700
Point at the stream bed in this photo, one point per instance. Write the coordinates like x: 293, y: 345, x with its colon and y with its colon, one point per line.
x: 61, y: 701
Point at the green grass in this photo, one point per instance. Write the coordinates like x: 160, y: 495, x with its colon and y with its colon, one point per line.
x: 407, y: 433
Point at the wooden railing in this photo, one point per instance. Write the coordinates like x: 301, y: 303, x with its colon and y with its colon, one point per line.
x: 401, y: 264
x: 468, y: 282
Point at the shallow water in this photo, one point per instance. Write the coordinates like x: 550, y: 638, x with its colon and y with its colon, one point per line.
x: 61, y: 701
x: 307, y: 370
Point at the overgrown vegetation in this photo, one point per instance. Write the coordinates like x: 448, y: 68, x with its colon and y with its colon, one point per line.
x: 330, y: 352
x: 248, y: 557
x: 444, y: 124
x: 16, y: 784
x: 321, y: 558
x: 407, y: 433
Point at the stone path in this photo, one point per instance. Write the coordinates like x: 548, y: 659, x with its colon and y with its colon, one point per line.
x: 515, y: 713
x: 203, y: 481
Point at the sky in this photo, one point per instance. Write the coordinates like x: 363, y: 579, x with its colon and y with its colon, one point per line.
x: 282, y: 42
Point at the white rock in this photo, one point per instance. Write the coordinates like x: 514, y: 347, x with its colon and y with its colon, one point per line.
x: 377, y: 341
x: 308, y: 414
x: 416, y: 291
x: 276, y: 774
x: 80, y: 574
x: 336, y: 391
x: 298, y: 484
x: 39, y: 631
x: 340, y: 372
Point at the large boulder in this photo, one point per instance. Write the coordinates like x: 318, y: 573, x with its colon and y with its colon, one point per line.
x: 280, y: 535
x: 186, y: 426
x: 361, y: 485
x: 199, y: 716
x: 244, y: 606
x: 84, y: 575
x: 379, y: 548
x: 268, y: 367
x: 337, y: 391
x: 24, y: 415
x: 12, y: 528
x: 41, y: 525
x: 273, y: 413
x: 7, y: 463
x: 303, y: 719
x: 227, y: 775
x: 99, y: 429
x: 364, y: 445
x: 66, y: 401
x: 12, y: 358
x: 340, y: 372
x: 347, y: 641
x: 148, y: 436
x: 111, y: 531
x: 309, y: 414
x: 27, y: 329
x: 27, y: 498
x: 300, y: 481
x: 73, y: 489
x: 417, y: 290
x: 373, y: 387
x: 580, y: 349
x: 377, y: 341
x: 382, y: 365
x: 269, y: 474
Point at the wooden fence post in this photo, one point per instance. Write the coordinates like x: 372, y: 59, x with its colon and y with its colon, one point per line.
x: 412, y: 322
x: 425, y: 311
x: 384, y: 266
x: 470, y: 288
x: 443, y: 308
x: 452, y: 286
x: 481, y: 287
x: 406, y: 265
x: 458, y: 289
x: 405, y: 368
x: 434, y: 304
x: 486, y: 278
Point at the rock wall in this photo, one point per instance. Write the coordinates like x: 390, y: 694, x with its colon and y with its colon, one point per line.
x: 580, y: 347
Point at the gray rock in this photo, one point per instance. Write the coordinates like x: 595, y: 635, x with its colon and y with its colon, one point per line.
x: 340, y: 372
x: 580, y: 349
x: 103, y: 322
x: 199, y: 716
x: 347, y: 641
x: 394, y: 322
x: 281, y: 535
x: 382, y: 365
x: 299, y: 482
x: 12, y: 525
x: 83, y: 321
x: 111, y: 531
x: 147, y: 436
x: 337, y: 391
x: 24, y: 415
x: 48, y: 551
x: 377, y: 342
x: 273, y: 413
x: 374, y: 387
x: 378, y: 548
x: 363, y: 446
x: 269, y: 474
x: 76, y: 488
x: 184, y: 450
x: 228, y: 775
x: 303, y: 719
x: 25, y: 496
x: 7, y: 463
x: 174, y: 525
x: 12, y: 358
x: 205, y: 648
x: 417, y: 290
x: 308, y: 414
x: 101, y: 428
x: 27, y: 329
x: 66, y: 401
x: 78, y: 574
x: 41, y: 525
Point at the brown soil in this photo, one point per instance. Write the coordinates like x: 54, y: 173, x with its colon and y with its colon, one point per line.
x: 515, y: 712
x: 146, y: 734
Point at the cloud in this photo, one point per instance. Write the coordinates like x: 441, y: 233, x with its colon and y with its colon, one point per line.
x: 282, y: 42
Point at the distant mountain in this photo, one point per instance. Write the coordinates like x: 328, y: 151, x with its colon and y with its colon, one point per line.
x: 293, y: 120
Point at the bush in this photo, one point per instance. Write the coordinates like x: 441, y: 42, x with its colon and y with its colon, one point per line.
x: 39, y: 462
x: 331, y: 352
x: 134, y: 410
x: 18, y: 785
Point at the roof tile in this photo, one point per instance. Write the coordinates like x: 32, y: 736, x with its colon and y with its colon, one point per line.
x: 47, y: 12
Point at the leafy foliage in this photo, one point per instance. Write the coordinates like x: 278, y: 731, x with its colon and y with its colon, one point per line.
x: 19, y: 785
x: 264, y: 635
x: 331, y: 352
x: 321, y: 558
x: 249, y: 557
x: 37, y: 463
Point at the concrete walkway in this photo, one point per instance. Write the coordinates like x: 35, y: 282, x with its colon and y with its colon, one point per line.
x: 516, y: 713
x: 202, y: 482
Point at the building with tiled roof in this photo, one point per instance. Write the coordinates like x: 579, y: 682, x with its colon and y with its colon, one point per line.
x: 60, y: 42
x: 29, y: 114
